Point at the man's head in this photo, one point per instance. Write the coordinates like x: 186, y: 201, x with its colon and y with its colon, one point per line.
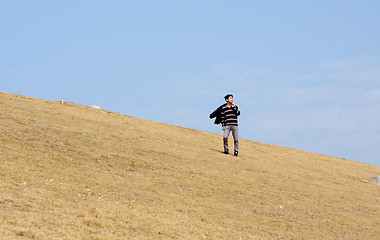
x: 229, y: 98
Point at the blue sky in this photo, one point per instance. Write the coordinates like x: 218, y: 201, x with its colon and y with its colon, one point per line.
x: 305, y: 74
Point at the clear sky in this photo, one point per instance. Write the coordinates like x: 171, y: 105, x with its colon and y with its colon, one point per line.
x: 305, y: 74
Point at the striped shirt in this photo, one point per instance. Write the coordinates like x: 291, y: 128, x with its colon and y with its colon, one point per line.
x: 229, y: 115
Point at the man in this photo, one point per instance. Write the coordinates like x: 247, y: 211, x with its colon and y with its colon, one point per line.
x: 227, y: 114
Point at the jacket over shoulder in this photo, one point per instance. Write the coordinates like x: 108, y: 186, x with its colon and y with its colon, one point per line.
x: 217, y: 114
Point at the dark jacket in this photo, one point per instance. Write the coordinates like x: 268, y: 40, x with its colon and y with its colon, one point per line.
x: 217, y: 114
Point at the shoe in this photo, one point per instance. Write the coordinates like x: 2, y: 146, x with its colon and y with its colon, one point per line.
x: 226, y: 152
x: 236, y: 153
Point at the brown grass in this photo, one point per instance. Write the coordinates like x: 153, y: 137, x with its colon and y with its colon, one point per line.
x: 72, y: 172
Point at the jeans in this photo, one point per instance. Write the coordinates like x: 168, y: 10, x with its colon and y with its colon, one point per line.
x: 227, y: 130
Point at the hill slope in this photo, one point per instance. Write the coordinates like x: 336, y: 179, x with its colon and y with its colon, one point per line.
x: 72, y: 172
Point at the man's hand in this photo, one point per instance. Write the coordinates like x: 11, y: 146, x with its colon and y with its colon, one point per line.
x: 223, y: 128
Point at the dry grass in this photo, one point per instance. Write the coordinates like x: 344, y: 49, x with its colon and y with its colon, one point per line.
x: 72, y: 172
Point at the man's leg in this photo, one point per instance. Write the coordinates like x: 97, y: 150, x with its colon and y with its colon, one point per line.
x: 227, y: 130
x: 235, y: 134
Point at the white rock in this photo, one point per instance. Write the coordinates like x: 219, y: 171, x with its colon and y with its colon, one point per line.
x: 375, y: 179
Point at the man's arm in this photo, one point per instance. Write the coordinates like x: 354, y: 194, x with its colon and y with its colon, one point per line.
x: 237, y: 111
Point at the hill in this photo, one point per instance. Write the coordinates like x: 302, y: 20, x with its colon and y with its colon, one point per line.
x: 69, y: 171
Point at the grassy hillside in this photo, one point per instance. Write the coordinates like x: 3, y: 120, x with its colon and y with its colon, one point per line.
x: 72, y: 172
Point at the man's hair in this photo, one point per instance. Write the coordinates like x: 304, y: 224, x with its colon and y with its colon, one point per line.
x: 227, y: 96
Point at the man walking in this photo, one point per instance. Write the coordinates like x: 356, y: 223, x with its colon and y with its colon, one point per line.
x: 227, y: 114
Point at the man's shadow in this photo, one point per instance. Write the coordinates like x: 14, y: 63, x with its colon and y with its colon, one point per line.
x: 216, y: 150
